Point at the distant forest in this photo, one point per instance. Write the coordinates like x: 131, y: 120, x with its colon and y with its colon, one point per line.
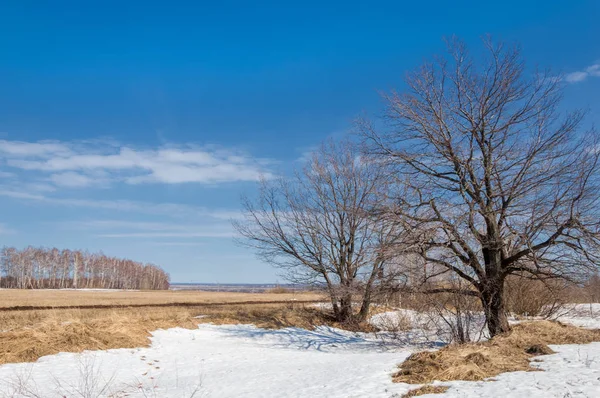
x: 45, y: 268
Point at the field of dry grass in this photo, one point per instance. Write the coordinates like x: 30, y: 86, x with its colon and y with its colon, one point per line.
x: 68, y: 298
x: 26, y: 335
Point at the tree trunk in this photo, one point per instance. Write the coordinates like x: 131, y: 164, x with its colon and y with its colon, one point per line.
x: 377, y: 271
x: 364, y: 308
x: 492, y: 287
x: 345, y: 308
x: 493, y: 306
x: 366, y: 303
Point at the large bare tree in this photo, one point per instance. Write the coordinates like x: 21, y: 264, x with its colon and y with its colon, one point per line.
x: 496, y: 181
x: 320, y: 226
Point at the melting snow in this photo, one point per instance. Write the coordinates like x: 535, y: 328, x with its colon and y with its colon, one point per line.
x: 246, y: 361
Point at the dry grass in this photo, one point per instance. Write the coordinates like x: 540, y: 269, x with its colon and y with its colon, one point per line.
x: 426, y: 390
x: 277, y: 316
x: 27, y: 335
x: 279, y: 290
x: 67, y: 298
x: 506, y: 353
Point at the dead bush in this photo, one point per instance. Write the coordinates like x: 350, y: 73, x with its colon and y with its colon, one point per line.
x: 528, y: 297
x: 394, y: 324
x: 592, y: 289
x: 456, y: 316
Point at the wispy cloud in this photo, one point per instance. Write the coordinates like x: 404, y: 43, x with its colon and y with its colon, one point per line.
x: 72, y: 179
x: 176, y: 244
x: 197, y: 234
x: 306, y: 154
x: 146, y: 229
x: 78, y: 164
x: 43, y: 149
x: 579, y: 76
x: 168, y: 209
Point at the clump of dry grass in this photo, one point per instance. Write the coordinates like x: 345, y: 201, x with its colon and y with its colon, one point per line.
x: 426, y: 390
x: 506, y: 353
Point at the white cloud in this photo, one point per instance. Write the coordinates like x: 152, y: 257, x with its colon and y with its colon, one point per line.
x: 579, y: 76
x: 159, y: 243
x: 22, y: 195
x: 196, y: 234
x: 168, y: 209
x: 77, y: 164
x: 307, y: 154
x: 40, y: 148
x: 576, y: 77
x: 148, y: 229
x: 145, y: 225
x: 71, y: 179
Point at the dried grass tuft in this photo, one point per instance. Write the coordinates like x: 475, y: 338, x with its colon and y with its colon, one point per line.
x: 426, y: 390
x: 506, y: 353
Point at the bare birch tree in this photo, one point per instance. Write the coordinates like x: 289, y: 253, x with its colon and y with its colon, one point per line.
x: 319, y: 227
x: 496, y: 181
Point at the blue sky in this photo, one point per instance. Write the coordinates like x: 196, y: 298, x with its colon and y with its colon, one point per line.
x: 134, y: 127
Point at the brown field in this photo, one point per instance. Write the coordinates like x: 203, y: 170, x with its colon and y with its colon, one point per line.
x: 26, y: 335
x: 69, y: 298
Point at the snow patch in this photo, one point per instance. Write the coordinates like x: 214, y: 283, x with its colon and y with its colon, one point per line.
x: 230, y: 361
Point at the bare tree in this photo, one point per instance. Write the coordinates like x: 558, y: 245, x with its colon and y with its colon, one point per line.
x: 495, y: 180
x: 319, y: 227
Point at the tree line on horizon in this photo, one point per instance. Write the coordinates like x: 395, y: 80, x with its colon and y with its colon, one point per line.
x: 51, y: 268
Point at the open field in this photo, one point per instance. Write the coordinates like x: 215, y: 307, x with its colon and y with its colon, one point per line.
x: 15, y: 298
x: 268, y: 344
x: 263, y: 350
x: 115, y: 319
x: 26, y: 336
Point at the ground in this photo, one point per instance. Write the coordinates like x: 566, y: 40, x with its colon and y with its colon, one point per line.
x: 235, y: 360
x: 99, y: 297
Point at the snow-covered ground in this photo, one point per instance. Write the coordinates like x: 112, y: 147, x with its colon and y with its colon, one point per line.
x: 582, y: 315
x: 574, y: 371
x: 226, y: 361
x: 246, y: 361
